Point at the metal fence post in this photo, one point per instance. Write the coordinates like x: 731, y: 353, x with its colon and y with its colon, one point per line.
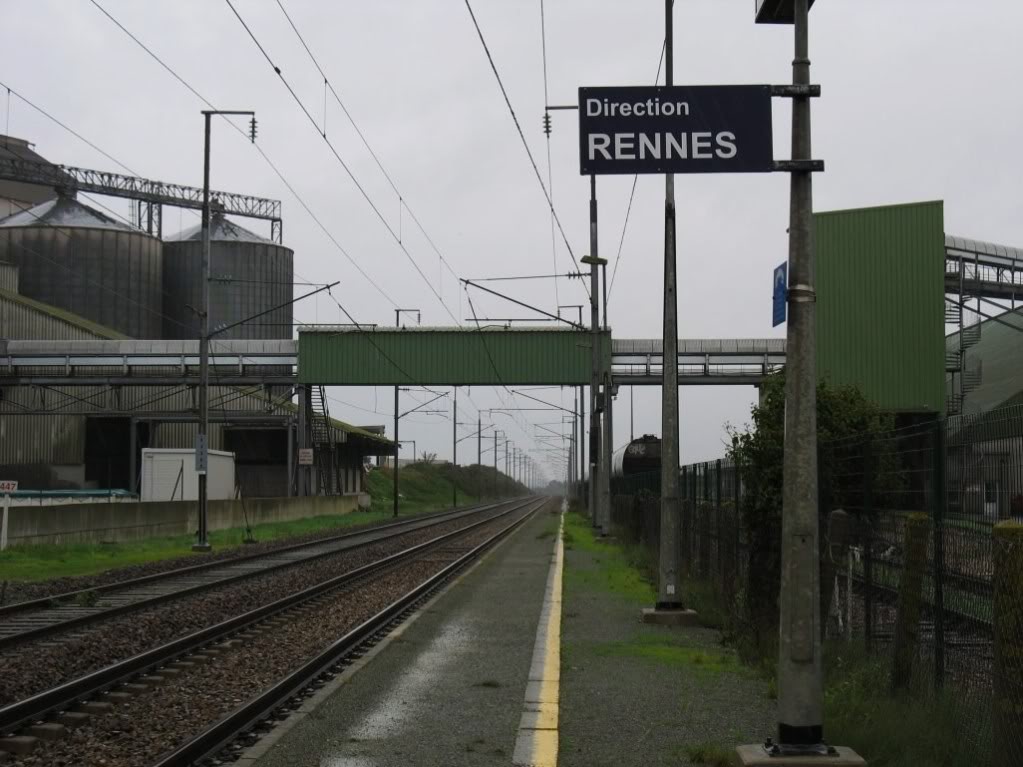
x: 866, y: 544
x: 737, y: 493
x: 717, y: 523
x: 704, y: 527
x: 938, y: 471
x: 1008, y: 644
x: 907, y: 624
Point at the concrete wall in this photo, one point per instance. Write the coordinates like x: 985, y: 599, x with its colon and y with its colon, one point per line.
x: 109, y: 522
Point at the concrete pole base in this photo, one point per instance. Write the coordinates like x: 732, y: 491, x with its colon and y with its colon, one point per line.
x: 202, y: 547
x: 660, y: 616
x: 755, y: 755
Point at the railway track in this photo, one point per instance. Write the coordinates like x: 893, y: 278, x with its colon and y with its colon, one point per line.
x: 241, y: 723
x: 38, y: 618
x: 382, y: 590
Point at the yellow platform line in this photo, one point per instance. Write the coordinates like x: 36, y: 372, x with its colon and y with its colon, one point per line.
x: 536, y: 744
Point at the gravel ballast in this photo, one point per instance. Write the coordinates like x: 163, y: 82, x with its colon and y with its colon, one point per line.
x: 36, y: 666
x: 137, y: 733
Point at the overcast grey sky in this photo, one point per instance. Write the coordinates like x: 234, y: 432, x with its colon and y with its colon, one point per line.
x: 921, y: 100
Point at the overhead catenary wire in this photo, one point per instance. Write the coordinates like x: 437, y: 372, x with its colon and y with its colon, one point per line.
x: 493, y: 365
x: 281, y: 176
x: 340, y: 159
x: 329, y: 86
x: 70, y: 130
x: 258, y: 148
x: 632, y: 193
x: 522, y: 136
x: 184, y: 387
x: 547, y: 131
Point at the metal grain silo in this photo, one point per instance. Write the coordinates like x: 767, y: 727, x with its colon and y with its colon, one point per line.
x: 78, y: 259
x: 249, y: 275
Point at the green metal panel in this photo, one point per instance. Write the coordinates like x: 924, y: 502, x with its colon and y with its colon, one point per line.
x: 880, y: 303
x: 346, y: 356
x: 999, y: 355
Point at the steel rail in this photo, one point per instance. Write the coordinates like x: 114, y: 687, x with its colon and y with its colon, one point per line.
x: 219, y: 735
x: 38, y: 632
x: 61, y: 697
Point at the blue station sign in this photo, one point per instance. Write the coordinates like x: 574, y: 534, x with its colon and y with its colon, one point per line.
x: 780, y: 303
x: 681, y: 129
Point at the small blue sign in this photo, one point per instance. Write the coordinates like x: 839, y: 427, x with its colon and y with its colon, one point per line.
x: 781, y: 281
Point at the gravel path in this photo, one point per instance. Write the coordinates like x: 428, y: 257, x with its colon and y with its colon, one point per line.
x: 37, y: 666
x: 136, y: 734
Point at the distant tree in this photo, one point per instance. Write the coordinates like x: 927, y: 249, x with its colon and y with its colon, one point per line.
x: 428, y: 458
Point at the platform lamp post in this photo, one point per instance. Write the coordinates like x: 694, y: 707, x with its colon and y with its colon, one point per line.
x: 397, y: 446
x: 202, y: 443
x: 800, y: 672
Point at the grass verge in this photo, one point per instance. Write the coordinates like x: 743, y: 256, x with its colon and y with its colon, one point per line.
x: 894, y: 731
x: 46, y: 561
x: 617, y: 572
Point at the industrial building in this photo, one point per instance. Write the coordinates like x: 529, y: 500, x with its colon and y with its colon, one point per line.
x: 99, y: 354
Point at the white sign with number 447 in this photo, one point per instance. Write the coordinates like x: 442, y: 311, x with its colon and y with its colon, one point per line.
x: 8, y: 486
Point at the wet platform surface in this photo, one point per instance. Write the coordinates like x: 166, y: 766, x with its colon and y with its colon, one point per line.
x: 449, y: 687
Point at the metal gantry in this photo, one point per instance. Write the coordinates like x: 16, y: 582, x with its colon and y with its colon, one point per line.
x: 634, y: 362
x: 148, y: 195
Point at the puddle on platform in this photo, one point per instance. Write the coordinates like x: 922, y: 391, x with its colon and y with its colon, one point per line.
x: 408, y: 695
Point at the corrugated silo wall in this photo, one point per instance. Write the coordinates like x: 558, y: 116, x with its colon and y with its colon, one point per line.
x: 8, y: 278
x: 248, y: 278
x: 109, y: 276
x: 880, y: 279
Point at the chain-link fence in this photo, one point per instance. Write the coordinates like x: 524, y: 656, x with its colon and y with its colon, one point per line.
x: 921, y: 560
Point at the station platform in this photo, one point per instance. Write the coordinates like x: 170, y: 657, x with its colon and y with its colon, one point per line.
x: 535, y: 656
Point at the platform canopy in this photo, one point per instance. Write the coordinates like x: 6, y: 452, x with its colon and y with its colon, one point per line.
x: 342, y: 355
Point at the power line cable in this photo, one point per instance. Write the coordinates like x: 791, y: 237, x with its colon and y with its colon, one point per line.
x: 402, y: 200
x: 632, y: 194
x: 522, y: 135
x: 497, y: 373
x: 258, y: 148
x: 341, y: 161
x: 547, y: 130
x: 70, y: 130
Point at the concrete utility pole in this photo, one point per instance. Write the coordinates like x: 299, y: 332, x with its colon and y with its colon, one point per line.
x: 202, y: 440
x: 800, y: 675
x: 669, y: 596
x: 596, y: 494
x: 479, y: 456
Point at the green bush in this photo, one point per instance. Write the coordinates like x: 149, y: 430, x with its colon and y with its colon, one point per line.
x: 843, y: 413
